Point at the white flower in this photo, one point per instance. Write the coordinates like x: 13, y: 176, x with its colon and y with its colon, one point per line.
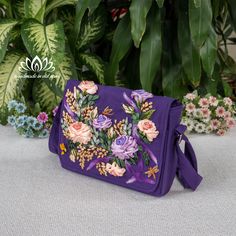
x: 228, y: 101
x: 208, y: 129
x: 190, y: 107
x: 213, y: 101
x: 197, y: 113
x: 200, y: 127
x: 190, y: 96
x: 203, y: 102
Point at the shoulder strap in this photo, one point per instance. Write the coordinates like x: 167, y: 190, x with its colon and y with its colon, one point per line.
x: 187, y: 162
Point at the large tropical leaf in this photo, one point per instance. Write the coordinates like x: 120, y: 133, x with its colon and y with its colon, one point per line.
x: 11, y: 81
x: 81, y: 8
x: 208, y: 53
x: 232, y: 11
x: 92, y: 28
x: 151, y: 50
x: 189, y: 53
x: 5, y: 29
x: 46, y: 98
x: 95, y: 64
x: 138, y: 12
x: 121, y: 43
x: 160, y: 3
x: 200, y: 20
x: 58, y: 3
x: 35, y: 9
x: 44, y: 41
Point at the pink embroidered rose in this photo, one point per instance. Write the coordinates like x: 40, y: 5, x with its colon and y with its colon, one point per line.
x: 190, y: 96
x: 190, y: 107
x: 220, y: 111
x: 80, y: 132
x: 148, y: 128
x: 213, y: 101
x: 88, y: 86
x: 205, y: 112
x: 228, y: 101
x: 114, y: 169
x: 203, y: 102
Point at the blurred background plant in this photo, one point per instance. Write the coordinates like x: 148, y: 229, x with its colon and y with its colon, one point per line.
x: 168, y: 47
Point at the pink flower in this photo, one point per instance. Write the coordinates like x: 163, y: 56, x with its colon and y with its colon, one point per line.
x: 190, y: 96
x: 227, y: 114
x: 220, y: 111
x: 148, y: 128
x: 88, y: 86
x: 114, y: 169
x: 42, y: 117
x: 190, y: 107
x: 228, y: 101
x: 230, y: 122
x: 215, y: 124
x: 213, y: 101
x: 205, y: 112
x: 80, y: 132
x: 203, y: 102
x: 221, y: 132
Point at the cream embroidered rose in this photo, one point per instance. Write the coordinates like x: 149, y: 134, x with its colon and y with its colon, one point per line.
x: 88, y: 86
x: 80, y: 132
x: 114, y: 169
x: 148, y: 128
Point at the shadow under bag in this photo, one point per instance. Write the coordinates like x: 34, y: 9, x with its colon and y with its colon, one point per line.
x: 126, y: 137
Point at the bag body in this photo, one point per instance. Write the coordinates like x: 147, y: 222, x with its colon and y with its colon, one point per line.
x: 128, y: 138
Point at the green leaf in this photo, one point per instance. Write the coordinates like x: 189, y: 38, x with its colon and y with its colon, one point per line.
x: 81, y: 8
x: 200, y: 20
x: 44, y: 96
x: 44, y: 41
x: 11, y: 81
x: 208, y: 53
x: 119, y: 48
x: 95, y: 64
x: 160, y: 3
x: 35, y: 9
x: 232, y: 11
x: 58, y: 3
x: 138, y: 12
x: 92, y: 28
x: 189, y: 53
x: 6, y: 27
x: 227, y: 89
x: 151, y: 46
x: 148, y: 114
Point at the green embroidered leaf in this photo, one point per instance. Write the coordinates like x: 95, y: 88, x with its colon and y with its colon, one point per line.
x: 92, y: 28
x: 44, y: 41
x: 81, y: 7
x: 10, y: 81
x: 138, y: 12
x: 119, y: 48
x: 148, y: 114
x: 208, y: 52
x: 151, y: 46
x: 6, y: 27
x: 95, y: 64
x: 59, y: 3
x: 44, y: 96
x: 35, y: 9
x: 200, y: 20
x: 160, y: 3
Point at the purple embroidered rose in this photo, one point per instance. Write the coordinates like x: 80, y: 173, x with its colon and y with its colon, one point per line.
x: 140, y: 95
x: 124, y: 147
x: 102, y: 122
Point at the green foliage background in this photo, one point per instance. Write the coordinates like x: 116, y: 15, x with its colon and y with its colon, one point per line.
x: 168, y: 47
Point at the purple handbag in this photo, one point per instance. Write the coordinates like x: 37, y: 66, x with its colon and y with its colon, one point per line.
x: 129, y: 138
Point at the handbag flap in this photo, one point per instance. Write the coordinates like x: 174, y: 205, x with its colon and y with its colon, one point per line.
x: 114, y: 134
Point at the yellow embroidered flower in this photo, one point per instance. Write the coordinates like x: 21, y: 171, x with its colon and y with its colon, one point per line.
x: 152, y: 172
x: 63, y: 148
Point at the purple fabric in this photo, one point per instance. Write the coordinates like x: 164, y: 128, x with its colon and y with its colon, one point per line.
x: 153, y: 176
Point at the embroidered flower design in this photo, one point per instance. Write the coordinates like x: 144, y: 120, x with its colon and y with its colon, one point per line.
x: 102, y: 122
x: 88, y: 86
x: 80, y: 132
x: 124, y: 147
x: 140, y: 95
x: 148, y: 128
x: 114, y: 169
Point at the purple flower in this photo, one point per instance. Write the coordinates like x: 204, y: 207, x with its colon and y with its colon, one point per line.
x: 102, y: 122
x: 124, y: 147
x: 140, y: 95
x: 42, y: 117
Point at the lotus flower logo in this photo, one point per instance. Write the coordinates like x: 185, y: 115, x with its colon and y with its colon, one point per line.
x: 37, y: 65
